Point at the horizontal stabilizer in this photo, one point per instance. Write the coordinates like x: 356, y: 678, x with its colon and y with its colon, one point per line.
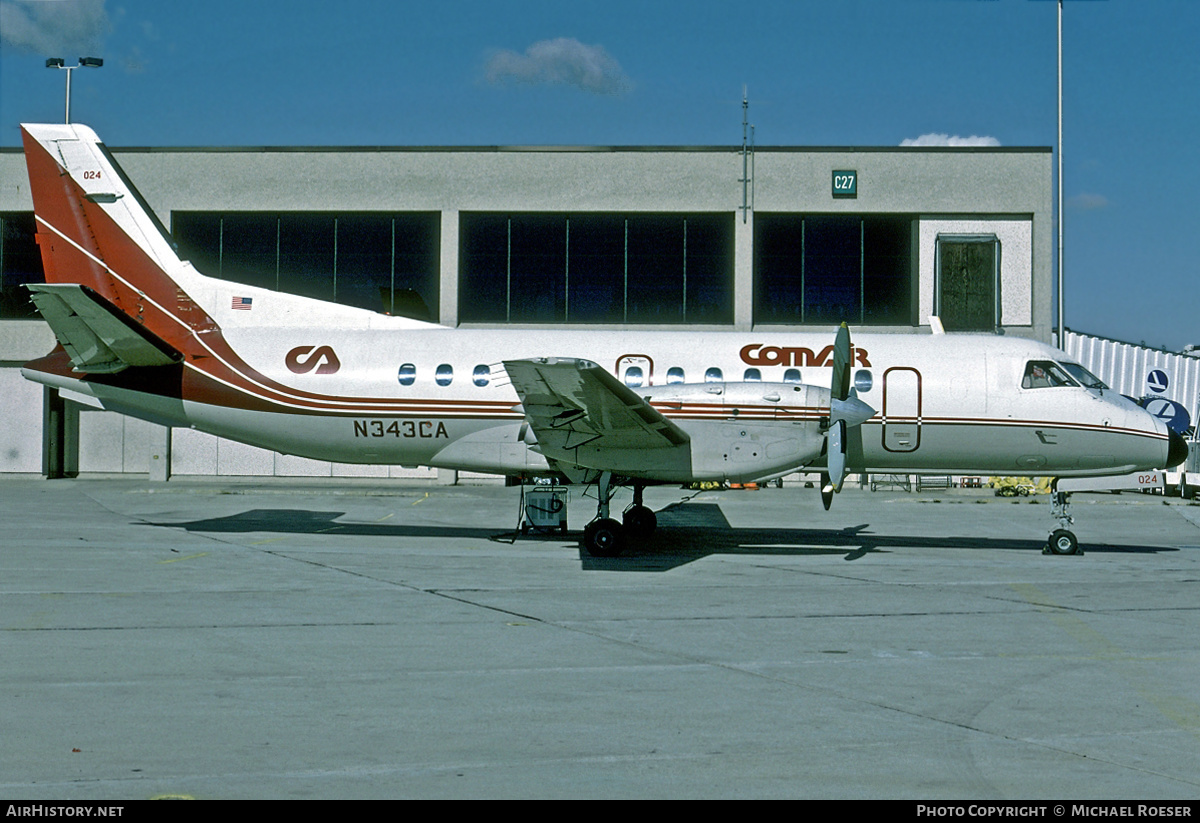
x: 99, y: 338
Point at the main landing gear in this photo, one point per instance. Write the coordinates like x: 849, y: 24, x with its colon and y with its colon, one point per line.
x: 1062, y: 540
x: 604, y: 536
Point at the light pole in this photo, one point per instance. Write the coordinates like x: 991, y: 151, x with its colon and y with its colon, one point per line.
x: 84, y: 62
x: 1061, y: 334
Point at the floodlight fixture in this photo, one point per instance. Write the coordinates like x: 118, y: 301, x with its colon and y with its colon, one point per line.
x: 84, y: 62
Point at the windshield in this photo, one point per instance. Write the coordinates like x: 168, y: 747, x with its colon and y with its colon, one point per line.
x: 1042, y: 374
x: 1085, y: 377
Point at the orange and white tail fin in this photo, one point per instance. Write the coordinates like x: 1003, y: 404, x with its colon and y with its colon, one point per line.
x: 73, y: 180
x: 94, y: 231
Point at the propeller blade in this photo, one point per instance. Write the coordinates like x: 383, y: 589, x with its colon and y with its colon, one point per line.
x: 831, y: 480
x: 837, y: 455
x: 839, y: 388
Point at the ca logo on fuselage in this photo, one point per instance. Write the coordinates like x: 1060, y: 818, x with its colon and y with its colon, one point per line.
x: 303, y: 359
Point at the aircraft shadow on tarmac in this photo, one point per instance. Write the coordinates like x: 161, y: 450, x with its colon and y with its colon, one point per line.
x: 686, y: 532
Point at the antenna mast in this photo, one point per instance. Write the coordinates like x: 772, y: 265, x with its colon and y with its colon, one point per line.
x: 747, y: 179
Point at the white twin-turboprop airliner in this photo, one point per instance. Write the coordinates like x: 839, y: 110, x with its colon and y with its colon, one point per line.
x: 143, y: 333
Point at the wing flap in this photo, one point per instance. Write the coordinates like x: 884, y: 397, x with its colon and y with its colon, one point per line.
x: 571, y: 402
x: 99, y: 338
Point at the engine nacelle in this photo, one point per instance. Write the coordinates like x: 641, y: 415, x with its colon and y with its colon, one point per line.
x: 734, y: 429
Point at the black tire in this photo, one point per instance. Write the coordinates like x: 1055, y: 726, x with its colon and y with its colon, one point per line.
x: 639, y: 521
x: 1062, y: 542
x: 603, y: 538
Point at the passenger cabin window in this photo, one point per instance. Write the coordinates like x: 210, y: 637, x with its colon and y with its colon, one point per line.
x: 633, y: 376
x: 1045, y: 374
x: 863, y: 380
x: 713, y: 375
x: 444, y: 374
x: 675, y: 375
x: 407, y: 374
x: 752, y: 376
x: 482, y: 375
x: 792, y: 376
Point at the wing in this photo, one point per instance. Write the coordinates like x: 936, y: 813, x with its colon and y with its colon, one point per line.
x: 99, y: 338
x: 571, y: 403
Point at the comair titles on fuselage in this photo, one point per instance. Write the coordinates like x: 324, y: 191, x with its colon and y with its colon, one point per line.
x: 756, y: 354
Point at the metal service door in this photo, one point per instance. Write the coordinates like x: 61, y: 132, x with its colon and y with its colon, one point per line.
x: 901, y: 409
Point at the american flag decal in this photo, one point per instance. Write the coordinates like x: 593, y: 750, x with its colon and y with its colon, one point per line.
x: 243, y: 303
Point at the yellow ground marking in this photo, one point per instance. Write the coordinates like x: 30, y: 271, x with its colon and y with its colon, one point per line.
x: 186, y: 557
x: 1182, y: 711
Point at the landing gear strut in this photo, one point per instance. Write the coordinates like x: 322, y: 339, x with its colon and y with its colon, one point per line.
x: 604, y: 536
x: 1062, y: 540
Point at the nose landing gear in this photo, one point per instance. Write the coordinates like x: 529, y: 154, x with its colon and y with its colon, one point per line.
x: 1062, y: 540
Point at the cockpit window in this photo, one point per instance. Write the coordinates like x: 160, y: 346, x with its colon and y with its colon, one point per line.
x: 1043, y: 374
x: 1085, y: 377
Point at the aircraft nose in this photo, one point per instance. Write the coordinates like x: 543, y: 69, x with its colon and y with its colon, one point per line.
x: 1177, y: 450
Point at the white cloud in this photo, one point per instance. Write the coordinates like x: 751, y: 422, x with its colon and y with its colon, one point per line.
x: 563, y: 61
x: 53, y: 28
x: 936, y: 139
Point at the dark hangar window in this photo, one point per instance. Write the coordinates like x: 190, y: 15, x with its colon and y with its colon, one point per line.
x: 378, y: 261
x: 824, y: 269
x: 20, y: 263
x: 543, y: 268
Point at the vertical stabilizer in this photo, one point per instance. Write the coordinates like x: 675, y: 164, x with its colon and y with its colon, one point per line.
x: 94, y: 230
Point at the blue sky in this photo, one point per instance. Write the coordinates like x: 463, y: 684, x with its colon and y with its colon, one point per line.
x: 819, y: 73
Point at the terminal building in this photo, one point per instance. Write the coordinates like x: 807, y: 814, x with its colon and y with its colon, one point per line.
x: 630, y: 237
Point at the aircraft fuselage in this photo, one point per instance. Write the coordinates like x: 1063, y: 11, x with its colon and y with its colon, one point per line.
x: 752, y: 403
